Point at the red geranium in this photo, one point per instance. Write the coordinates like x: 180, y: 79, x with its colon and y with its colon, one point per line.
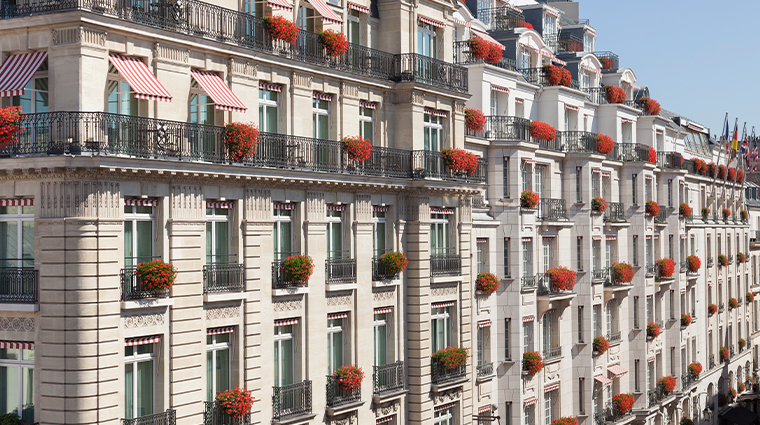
x: 599, y: 204
x: 721, y: 171
x: 622, y: 272
x: 711, y: 168
x: 731, y: 173
x: 712, y: 308
x: 532, y: 362
x: 604, y: 144
x: 740, y: 258
x: 652, y: 157
x: 542, y: 131
x: 726, y: 213
x: 561, y: 278
x: 528, y: 199
x: 740, y: 386
x: 487, y: 282
x: 685, y: 319
x: 451, y: 357
x: 667, y: 267
x: 358, y: 148
x: 474, y: 119
x: 614, y: 94
x: 601, y: 344
x: 495, y: 52
x: 742, y: 343
x: 698, y: 164
x: 623, y: 402
x: 749, y: 297
x: 335, y: 42
x: 349, y: 377
x: 10, y: 125
x: 668, y: 383
x: 479, y: 48
x: 722, y: 260
x: 653, y: 329
x: 652, y: 208
x: 458, y: 159
x: 723, y: 353
x: 743, y: 214
x: 651, y: 106
x: 693, y: 263
x: 606, y: 62
x: 739, y: 176
x: 155, y: 275
x: 527, y: 25
x: 236, y: 402
x: 241, y: 140
x: 695, y: 369
x: 281, y: 29
x: 557, y: 76
x: 733, y: 303
x: 298, y: 268
x: 394, y: 262
x: 686, y: 421
x: 565, y: 420
x: 684, y: 210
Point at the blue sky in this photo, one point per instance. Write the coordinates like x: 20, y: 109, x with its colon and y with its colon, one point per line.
x: 698, y: 58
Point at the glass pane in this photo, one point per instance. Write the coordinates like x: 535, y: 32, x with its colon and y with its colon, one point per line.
x: 426, y: 132
x: 128, y: 244
x: 9, y: 244
x: 441, y: 334
x: 210, y: 393
x: 144, y: 388
x: 209, y: 243
x: 41, y: 95
x: 379, y: 238
x: 286, y: 365
x: 27, y: 394
x: 284, y: 237
x: 336, y: 240
x: 353, y: 29
x: 337, y: 350
x: 222, y: 370
x: 381, y: 349
x: 129, y: 402
x: 367, y: 131
x: 27, y: 249
x: 144, y: 239
x: 222, y: 243
x: 25, y: 100
x: 271, y: 121
x: 323, y: 127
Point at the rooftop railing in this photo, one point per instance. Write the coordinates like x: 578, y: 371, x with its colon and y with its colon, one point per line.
x: 538, y: 76
x: 463, y: 56
x: 502, y: 18
x: 609, y: 60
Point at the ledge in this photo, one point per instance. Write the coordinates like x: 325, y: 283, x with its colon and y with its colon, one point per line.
x: 19, y: 307
x: 282, y: 292
x: 295, y: 419
x: 225, y: 296
x: 382, y: 398
x: 329, y: 287
x: 385, y: 283
x: 343, y: 408
x: 437, y: 388
x: 445, y: 279
x: 150, y: 303
x: 490, y: 377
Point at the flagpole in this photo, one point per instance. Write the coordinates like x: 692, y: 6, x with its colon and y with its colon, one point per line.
x: 723, y: 138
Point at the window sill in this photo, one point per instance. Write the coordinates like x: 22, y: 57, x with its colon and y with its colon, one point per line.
x: 282, y: 292
x: 635, y: 206
x: 20, y: 307
x: 151, y: 303
x: 331, y: 287
x: 294, y: 419
x: 227, y: 296
x: 385, y: 283
x: 445, y: 279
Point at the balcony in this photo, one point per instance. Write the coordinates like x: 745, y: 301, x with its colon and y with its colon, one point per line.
x: 132, y: 287
x: 485, y: 370
x: 339, y: 268
x: 337, y: 396
x: 380, y: 272
x: 504, y: 18
x: 687, y: 380
x: 499, y: 127
x: 291, y: 401
x: 537, y: 76
x: 223, y: 277
x: 670, y: 160
x: 463, y: 56
x: 528, y: 283
x: 546, y: 289
x: 19, y: 285
x: 579, y: 141
x: 213, y: 415
x: 423, y: 69
x: 388, y: 379
x: 552, y: 210
x: 611, y: 415
x: 105, y: 134
x: 552, y: 353
x: 564, y: 42
x: 279, y: 279
x: 600, y: 275
x: 629, y: 152
x: 615, y: 213
x: 615, y: 337
x: 444, y: 264
x: 169, y: 417
x: 712, y: 361
x: 662, y: 216
x: 710, y: 262
x: 651, y: 270
x: 610, y: 61
x: 442, y: 375
x: 684, y: 266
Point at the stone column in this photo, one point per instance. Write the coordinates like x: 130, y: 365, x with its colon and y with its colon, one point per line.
x: 465, y: 305
x: 315, y: 226
x: 364, y: 299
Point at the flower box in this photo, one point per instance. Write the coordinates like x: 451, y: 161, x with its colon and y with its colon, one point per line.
x: 529, y: 199
x: 236, y: 402
x: 711, y: 169
x: 487, y: 282
x: 721, y: 171
x: 722, y: 260
x: 652, y: 155
x: 561, y: 278
x: 298, y: 268
x: 667, y: 267
x: 601, y: 344
x: 10, y: 125
x: 733, y: 303
x: 684, y: 210
x: 460, y: 160
x: 740, y: 258
x: 622, y: 272
x: 280, y: 28
x: 731, y: 174
x: 542, y: 131
x: 532, y: 362
x: 705, y: 213
x: 726, y: 213
x: 742, y: 343
x: 750, y: 297
x: 743, y: 215
x: 712, y: 309
x: 604, y: 144
x: 614, y: 94
x: 485, y: 50
x: 685, y: 319
x: 652, y: 208
x: 695, y: 369
x: 358, y: 148
x: 599, y: 204
x: 667, y: 383
x: 349, y: 377
x: 565, y: 420
x: 156, y: 276
x: 474, y: 119
x: 700, y: 166
x: 653, y: 330
x: 740, y: 387
x: 724, y: 354
x: 241, y: 141
x: 335, y: 42
x: 623, y: 402
x: 451, y: 357
x: 394, y: 262
x: 686, y: 421
x: 693, y: 263
x: 739, y: 176
x: 651, y: 106
x: 556, y: 76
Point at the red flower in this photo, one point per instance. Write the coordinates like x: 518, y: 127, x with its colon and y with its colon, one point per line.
x: 557, y: 76
x: 241, y: 141
x: 599, y: 204
x: 726, y: 213
x: 460, y: 160
x: 298, y: 268
x: 10, y: 125
x: 451, y: 357
x: 236, y: 402
x: 652, y: 208
x: 652, y: 157
x: 485, y: 50
x: 722, y: 260
x: 565, y: 420
x: 668, y: 383
x: 711, y: 168
x: 743, y: 214
x: 740, y: 258
x: 622, y: 272
x: 684, y: 210
x: 474, y: 119
x: 527, y: 25
x: 721, y: 171
x: 693, y: 263
x: 733, y: 303
x: 623, y: 402
x: 667, y: 267
x: 601, y: 344
x: 653, y: 329
x: 651, y: 106
x: 358, y: 148
x: 742, y: 343
x: 695, y: 369
x: 740, y: 386
x: 561, y: 278
x: 542, y: 131
x: 739, y: 176
x: 604, y: 144
x: 699, y: 165
x: 532, y: 362
x: 723, y: 353
x: 750, y: 297
x: 394, y: 262
x: 528, y: 199
x: 349, y: 377
x: 731, y: 173
x: 335, y: 42
x: 495, y: 52
x: 606, y: 62
x: 487, y: 282
x: 614, y: 94
x: 685, y: 319
x: 281, y: 29
x: 712, y: 308
x: 156, y: 276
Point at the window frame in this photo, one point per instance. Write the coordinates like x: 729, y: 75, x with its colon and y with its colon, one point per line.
x: 266, y: 105
x: 134, y: 360
x: 134, y: 217
x: 24, y: 361
x: 20, y: 217
x: 213, y: 348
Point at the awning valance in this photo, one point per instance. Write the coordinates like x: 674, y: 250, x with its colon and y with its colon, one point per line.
x: 433, y: 22
x: 17, y: 202
x: 221, y: 330
x: 603, y: 380
x: 327, y: 14
x: 220, y: 204
x: 221, y: 94
x: 383, y: 310
x: 16, y: 345
x: 443, y: 304
x: 17, y: 70
x: 286, y: 322
x: 280, y: 4
x: 617, y: 370
x: 486, y: 37
x: 139, y: 77
x: 136, y: 202
x: 359, y: 8
x: 129, y: 342
x: 334, y: 316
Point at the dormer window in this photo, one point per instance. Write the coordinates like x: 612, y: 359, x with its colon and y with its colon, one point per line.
x: 589, y: 42
x: 550, y: 24
x: 524, y: 58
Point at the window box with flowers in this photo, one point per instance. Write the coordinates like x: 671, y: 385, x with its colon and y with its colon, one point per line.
x: 731, y: 174
x: 542, y: 131
x: 684, y: 210
x: 614, y: 94
x: 726, y: 213
x: 742, y: 343
x: 298, y: 268
x: 565, y: 420
x: 693, y: 263
x: 667, y: 383
x: 623, y: 403
x: 349, y: 377
x: 154, y: 278
x: 604, y: 144
x: 10, y: 126
x: 335, y: 42
x: 532, y: 363
x: 601, y: 344
x: 653, y: 330
x: 724, y: 354
x: 460, y: 161
x: 711, y: 169
x: 739, y: 176
x: 686, y: 421
x: 740, y: 387
x: 666, y: 267
x: 529, y: 199
x: 743, y: 215
x: 280, y: 28
x: 740, y: 258
x: 705, y: 213
x: 241, y: 141
x: 652, y: 155
x: 236, y: 402
x: 695, y: 369
x: 722, y: 260
x: 474, y: 119
x: 599, y: 204
x: 750, y: 297
x: 357, y: 148
x: 449, y: 364
x: 721, y: 171
x: 731, y: 393
x: 561, y: 278
x: 732, y: 303
x: 700, y: 166
x: 485, y: 50
x: 651, y: 106
x: 712, y: 309
x: 685, y: 320
x: 557, y: 76
x: 392, y: 263
x: 622, y: 272
x: 486, y: 283
x: 652, y: 208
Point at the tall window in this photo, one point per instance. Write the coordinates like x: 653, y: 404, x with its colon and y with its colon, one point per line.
x: 539, y: 181
x: 439, y: 234
x: 335, y: 234
x: 524, y: 58
x: 36, y: 97
x: 547, y: 253
x: 609, y: 252
x: 494, y: 103
x: 578, y: 185
x: 201, y: 105
x: 140, y: 386
x: 597, y: 319
x: 284, y: 368
x: 636, y: 387
x: 121, y: 97
x: 527, y: 336
x: 321, y: 119
x: 634, y: 200
x: 138, y: 234
x: 482, y: 252
x: 550, y: 398
x: 444, y: 417
x: 580, y: 324
x: 17, y: 236
x: 597, y: 258
x: 334, y: 344
x: 306, y: 19
x: 218, y: 236
x: 255, y: 8
x: 268, y: 110
x: 17, y: 382
x: 433, y: 132
x: 354, y: 27
x: 218, y: 361
x: 440, y: 328
x: 427, y: 44
x: 527, y: 248
x: 505, y: 176
x: 635, y: 250
x: 527, y: 176
x: 635, y: 312
x: 528, y: 412
x: 670, y: 193
x: 381, y: 339
x: 588, y: 42
x: 579, y: 252
x: 367, y: 123
x: 507, y: 271
x: 507, y: 339
x: 595, y: 183
x: 548, y: 333
x: 378, y: 232
x: 283, y: 232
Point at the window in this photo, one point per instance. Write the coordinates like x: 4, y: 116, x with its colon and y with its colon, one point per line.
x: 255, y: 8
x: 268, y: 110
x: 525, y: 61
x: 17, y: 236
x: 334, y: 235
x: 139, y: 372
x: 611, y: 317
x: 381, y: 339
x: 580, y: 324
x: 609, y: 252
x: 378, y: 232
x: 306, y: 19
x: 550, y: 25
x: 527, y: 246
x: 138, y: 234
x: 595, y: 392
x: 636, y: 387
x: 444, y: 417
x: 439, y: 234
x: 427, y: 40
x: 709, y: 248
x: 635, y: 250
x: 120, y: 97
x: 595, y: 183
x: 528, y: 412
x: 507, y: 271
x: 597, y: 319
x: 218, y: 236
x: 284, y: 367
x: 578, y: 186
x: 218, y: 362
x: 17, y: 382
x: 633, y: 189
x: 507, y: 330
x: 505, y: 176
x: 36, y: 97
x: 588, y: 42
x: 636, y: 313
x: 597, y: 247
x: 649, y: 253
x: 283, y: 232
x: 494, y: 103
x: 201, y: 105
x: 321, y: 119
x: 579, y: 252
x: 527, y: 336
x: 670, y: 193
x: 650, y: 309
x: 547, y: 253
x: 433, y: 132
x: 482, y: 340
x: 549, y: 401
x: 334, y: 344
x: 482, y: 255
x: 581, y: 409
x: 670, y: 246
x: 367, y: 122
x: 440, y: 328
x: 354, y: 27
x: 549, y: 336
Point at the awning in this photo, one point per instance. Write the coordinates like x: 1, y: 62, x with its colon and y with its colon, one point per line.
x: 444, y: 406
x: 284, y: 206
x: 222, y: 330
x: 18, y: 202
x: 17, y: 345
x: 359, y: 8
x: 559, y: 61
x: 385, y: 420
x: 220, y: 204
x: 484, y: 409
x: 461, y: 22
x: 571, y: 107
x: 433, y: 22
x: 383, y: 310
x: 134, y: 202
x: 332, y: 207
x: 530, y: 400
x: 327, y: 97
x: 443, y: 304
x: 368, y: 105
x: 280, y: 4
x: 221, y: 94
x: 484, y: 324
x: 17, y: 70
x: 494, y: 87
x: 617, y: 370
x: 286, y: 322
x: 334, y: 316
x: 129, y: 342
x: 486, y: 37
x: 327, y: 14
x: 380, y: 208
x: 551, y: 387
x: 269, y: 86
x: 435, y: 112
x: 444, y: 211
x: 603, y: 380
x: 739, y: 415
x: 139, y: 77
x: 528, y: 318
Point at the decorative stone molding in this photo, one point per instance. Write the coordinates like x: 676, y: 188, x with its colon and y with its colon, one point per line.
x: 171, y: 54
x: 315, y: 205
x: 458, y: 107
x: 387, y: 409
x: 223, y: 312
x: 288, y: 305
x: 443, y: 291
x: 17, y: 324
x: 91, y: 199
x: 363, y: 208
x: 384, y: 295
x: 258, y: 204
x: 79, y: 35
x: 243, y: 68
x: 348, y: 419
x: 448, y: 396
x: 302, y: 81
x: 339, y: 300
x: 144, y: 320
x: 415, y: 98
x: 187, y: 202
x: 415, y: 208
x: 465, y: 209
x: 349, y: 90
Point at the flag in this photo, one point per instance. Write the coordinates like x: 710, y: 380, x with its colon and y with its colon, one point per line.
x: 735, y: 140
x: 755, y: 156
x: 745, y: 147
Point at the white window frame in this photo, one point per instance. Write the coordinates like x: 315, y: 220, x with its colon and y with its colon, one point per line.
x: 279, y: 337
x: 320, y: 108
x: 213, y: 347
x: 440, y: 222
x: 378, y: 218
x: 212, y: 218
x: 20, y: 217
x: 440, y: 316
x: 132, y: 361
x: 265, y: 104
x: 433, y: 125
x: 335, y: 326
x: 281, y: 219
x: 122, y: 96
x: 134, y: 217
x: 20, y: 365
x: 31, y: 91
x: 367, y: 115
x: 444, y: 417
x: 380, y: 320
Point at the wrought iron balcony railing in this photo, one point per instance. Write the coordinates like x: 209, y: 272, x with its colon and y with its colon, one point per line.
x: 440, y: 374
x: 388, y: 378
x: 290, y: 401
x: 712, y: 361
x: 499, y: 127
x: 563, y: 42
x: 545, y: 286
x: 538, y: 76
x: 445, y: 264
x: 340, y: 270
x: 463, y: 56
x: 280, y: 279
x: 600, y: 275
x: 662, y: 216
x: 337, y: 396
x: 552, y: 353
x: 615, y: 212
x: 221, y: 277
x: 670, y: 160
x: 485, y: 369
x: 579, y: 141
x: 503, y: 18
x: 610, y: 415
x: 431, y: 165
x: 214, y: 415
x: 19, y: 285
x: 615, y: 337
x: 629, y: 152
x: 132, y: 287
x: 380, y: 271
x: 609, y: 60
x: 169, y: 417
x: 552, y: 210
x: 528, y: 282
x: 423, y: 69
x: 651, y: 270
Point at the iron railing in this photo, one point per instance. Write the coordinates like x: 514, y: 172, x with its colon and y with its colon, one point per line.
x: 629, y: 152
x: 502, y: 18
x: 280, y: 279
x: 615, y: 212
x: 651, y: 270
x: 214, y: 415
x: 599, y: 275
x: 388, y: 378
x: 221, y: 277
x: 463, y: 56
x: 615, y: 337
x: 528, y: 282
x: 478, y: 202
x: 684, y: 266
x: 337, y: 396
x: 132, y: 287
x: 552, y: 210
x: 19, y: 285
x: 340, y: 270
x: 292, y: 400
x: 579, y: 141
x: 169, y: 417
x: 670, y: 160
x: 538, y: 76
x: 552, y: 353
x: 563, y: 42
x: 662, y: 216
x: 545, y: 286
x: 485, y: 369
x: 441, y: 374
x: 609, y: 60
x: 499, y: 127
x: 712, y: 361
x: 445, y: 265
x: 423, y: 69
x: 610, y: 414
x: 380, y: 270
x: 596, y: 95
x: 431, y: 164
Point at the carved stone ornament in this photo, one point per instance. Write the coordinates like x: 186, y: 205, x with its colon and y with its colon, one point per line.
x: 171, y: 54
x: 442, y: 291
x: 384, y: 295
x: 79, y: 35
x: 288, y: 305
x: 223, y: 312
x: 339, y: 300
x: 17, y: 324
x: 387, y: 409
x: 144, y: 320
x: 448, y: 396
x: 349, y: 419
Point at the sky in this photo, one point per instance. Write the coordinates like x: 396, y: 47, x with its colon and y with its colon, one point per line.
x: 698, y: 58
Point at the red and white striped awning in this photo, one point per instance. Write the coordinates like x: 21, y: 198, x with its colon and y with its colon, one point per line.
x: 17, y: 70
x: 129, y: 342
x: 461, y: 22
x: 442, y: 304
x: 368, y: 105
x: 17, y: 345
x: 548, y: 236
x: 486, y: 37
x: 648, y: 177
x: 529, y: 318
x: 626, y: 121
x: 322, y: 96
x: 571, y: 107
x: 546, y: 54
x: 650, y: 359
x: 286, y: 322
x: 494, y: 87
x: 603, y: 379
x: 551, y: 387
x: 433, y: 22
x: 596, y: 237
x: 658, y: 132
x: 328, y: 15
x: 611, y: 237
x: 530, y: 401
x: 484, y: 324
x: 596, y: 170
x: 280, y: 4
x: 519, y: 100
x: 379, y: 208
x: 551, y: 12
x: 332, y: 207
x: 17, y: 202
x: 220, y: 204
x: 221, y: 330
x: 385, y: 420
x: 444, y: 211
x: 526, y: 239
x: 436, y: 112
x: 284, y: 206
x: 359, y: 8
x: 683, y: 290
x: 550, y: 312
x: 591, y: 69
x: 222, y: 96
x: 137, y: 202
x: 270, y: 86
x: 383, y: 310
x: 617, y: 370
x: 484, y: 409
x: 139, y: 77
x: 558, y: 61
x: 444, y: 406
x: 481, y: 240
x: 333, y: 316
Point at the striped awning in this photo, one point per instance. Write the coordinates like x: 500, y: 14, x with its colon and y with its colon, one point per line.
x: 383, y: 310
x: 530, y: 401
x: 442, y: 304
x: 591, y: 69
x: 327, y: 14
x: 333, y: 207
x: 546, y: 54
x: 269, y: 86
x: 529, y: 318
x: 385, y: 420
x: 436, y: 112
x: 368, y: 105
x: 221, y: 330
x: 444, y: 211
x: 380, y: 208
x: 550, y: 312
x: 617, y: 370
x: 139, y: 77
x: 220, y: 93
x: 650, y: 359
x: 611, y: 237
x: 17, y: 345
x: 551, y: 387
x: 484, y: 409
x: 280, y: 4
x: 494, y: 87
x: 333, y: 316
x: 603, y: 380
x: 17, y: 202
x: 481, y: 240
x: 484, y: 323
x: 571, y: 107
x: 322, y: 96
x: 626, y: 121
x: 129, y: 342
x: 220, y: 204
x: 519, y: 100
x: 284, y: 206
x: 526, y: 239
x: 433, y: 22
x: 461, y: 22
x: 286, y: 322
x: 558, y: 61
x: 596, y: 237
x: 359, y: 8
x: 444, y: 406
x: 17, y: 70
x: 486, y: 37
x: 137, y: 202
